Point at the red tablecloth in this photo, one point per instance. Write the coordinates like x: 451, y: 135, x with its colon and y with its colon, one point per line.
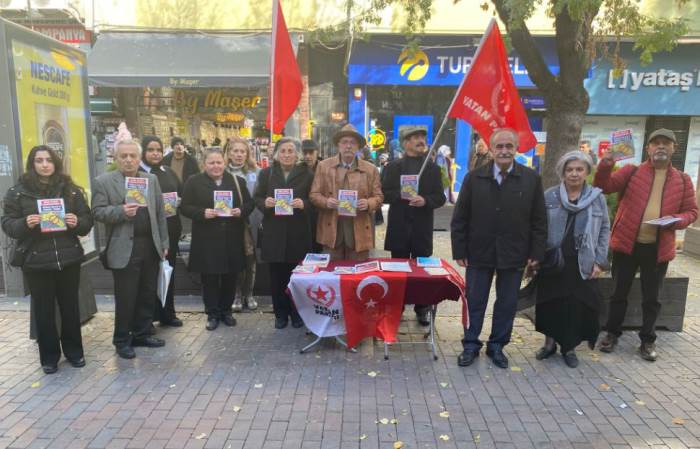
x: 421, y: 287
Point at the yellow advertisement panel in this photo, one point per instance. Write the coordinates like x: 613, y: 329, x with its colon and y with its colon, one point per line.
x: 50, y: 95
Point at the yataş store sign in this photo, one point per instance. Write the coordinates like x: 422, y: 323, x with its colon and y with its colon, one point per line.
x: 634, y: 80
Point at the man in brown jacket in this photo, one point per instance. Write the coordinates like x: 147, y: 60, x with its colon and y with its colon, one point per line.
x: 346, y: 237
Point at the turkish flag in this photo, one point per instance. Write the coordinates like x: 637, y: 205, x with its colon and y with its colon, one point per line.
x: 487, y: 97
x: 285, y: 77
x: 372, y: 305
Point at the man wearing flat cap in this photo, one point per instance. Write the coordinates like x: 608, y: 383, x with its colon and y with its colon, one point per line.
x: 409, y: 233
x: 346, y: 237
x: 654, y: 201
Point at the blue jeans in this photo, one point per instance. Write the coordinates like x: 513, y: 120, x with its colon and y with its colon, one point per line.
x: 478, y: 287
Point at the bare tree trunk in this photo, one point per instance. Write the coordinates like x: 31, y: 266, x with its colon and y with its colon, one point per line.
x: 563, y: 132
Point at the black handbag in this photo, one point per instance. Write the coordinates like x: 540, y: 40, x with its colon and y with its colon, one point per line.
x: 19, y: 251
x: 553, y: 262
x: 103, y: 253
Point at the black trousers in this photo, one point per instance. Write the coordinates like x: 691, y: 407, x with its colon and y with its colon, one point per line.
x: 218, y: 291
x: 412, y: 255
x: 167, y: 313
x: 135, y: 292
x: 279, y: 279
x: 48, y: 288
x: 624, y: 268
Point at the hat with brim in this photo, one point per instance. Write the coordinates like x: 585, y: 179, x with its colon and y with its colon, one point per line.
x: 663, y: 132
x: 349, y: 131
x: 408, y: 131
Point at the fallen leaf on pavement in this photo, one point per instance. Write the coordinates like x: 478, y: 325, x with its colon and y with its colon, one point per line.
x: 579, y: 412
x: 372, y: 374
x: 363, y: 437
x: 36, y: 384
x: 444, y: 384
x: 445, y: 437
x: 201, y: 436
x: 394, y: 421
x: 515, y: 369
x: 623, y: 405
x: 639, y: 402
x: 604, y: 387
x: 258, y: 385
x: 445, y: 414
x: 236, y: 408
x: 477, y: 438
x: 384, y: 421
x: 679, y: 421
x: 398, y: 444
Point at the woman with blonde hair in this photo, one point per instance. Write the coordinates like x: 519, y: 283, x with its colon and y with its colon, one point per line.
x: 241, y: 162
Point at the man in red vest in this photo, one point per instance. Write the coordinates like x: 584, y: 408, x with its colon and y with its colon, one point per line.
x: 655, y: 201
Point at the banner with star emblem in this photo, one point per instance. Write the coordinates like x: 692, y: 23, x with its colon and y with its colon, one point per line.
x: 317, y: 298
x: 373, y: 305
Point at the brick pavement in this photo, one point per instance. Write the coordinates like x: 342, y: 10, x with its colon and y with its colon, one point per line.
x: 248, y: 387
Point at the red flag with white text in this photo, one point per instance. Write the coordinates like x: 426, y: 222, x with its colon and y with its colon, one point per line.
x: 487, y: 97
x: 372, y: 306
x: 285, y: 77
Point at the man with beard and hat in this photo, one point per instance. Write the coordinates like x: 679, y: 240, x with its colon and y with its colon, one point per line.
x: 346, y: 237
x: 409, y: 233
x: 650, y: 191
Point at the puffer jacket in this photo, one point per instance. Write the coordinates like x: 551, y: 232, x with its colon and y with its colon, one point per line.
x: 52, y: 250
x: 678, y: 200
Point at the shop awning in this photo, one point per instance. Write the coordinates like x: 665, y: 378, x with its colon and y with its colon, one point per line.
x: 184, y: 60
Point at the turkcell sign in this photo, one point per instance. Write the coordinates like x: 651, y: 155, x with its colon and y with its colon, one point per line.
x: 438, y: 61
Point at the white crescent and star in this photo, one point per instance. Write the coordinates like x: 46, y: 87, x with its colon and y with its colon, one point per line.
x: 369, y: 280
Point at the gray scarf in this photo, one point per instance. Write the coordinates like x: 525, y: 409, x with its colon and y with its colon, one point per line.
x: 583, y: 213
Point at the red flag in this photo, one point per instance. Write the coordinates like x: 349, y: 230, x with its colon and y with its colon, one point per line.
x: 285, y: 78
x: 372, y: 306
x: 487, y: 97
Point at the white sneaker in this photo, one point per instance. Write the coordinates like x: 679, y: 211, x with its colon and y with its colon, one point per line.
x: 237, y: 305
x: 252, y: 303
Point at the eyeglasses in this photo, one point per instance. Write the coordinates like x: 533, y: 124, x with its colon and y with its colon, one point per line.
x: 500, y: 146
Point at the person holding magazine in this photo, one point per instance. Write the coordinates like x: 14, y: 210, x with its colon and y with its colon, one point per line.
x: 47, y: 213
x: 282, y: 195
x: 171, y: 187
x: 218, y: 204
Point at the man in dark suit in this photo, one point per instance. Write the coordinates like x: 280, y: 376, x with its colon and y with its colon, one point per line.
x: 138, y: 240
x: 409, y: 233
x: 499, y: 226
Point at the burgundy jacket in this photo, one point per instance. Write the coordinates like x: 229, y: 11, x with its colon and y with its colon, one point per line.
x: 678, y: 200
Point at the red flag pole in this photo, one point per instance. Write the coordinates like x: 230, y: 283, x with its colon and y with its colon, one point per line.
x: 273, y: 35
x: 459, y: 88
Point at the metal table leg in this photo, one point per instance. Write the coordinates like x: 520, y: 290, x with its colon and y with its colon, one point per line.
x: 318, y: 340
x: 429, y: 336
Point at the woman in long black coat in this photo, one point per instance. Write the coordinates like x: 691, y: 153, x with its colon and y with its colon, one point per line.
x: 51, y: 266
x: 216, y: 251
x: 152, y: 162
x: 286, y: 238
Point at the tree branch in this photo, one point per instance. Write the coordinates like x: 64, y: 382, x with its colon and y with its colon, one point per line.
x: 524, y: 43
x: 572, y: 40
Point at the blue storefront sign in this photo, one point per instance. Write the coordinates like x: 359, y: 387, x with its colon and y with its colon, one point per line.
x: 439, y: 61
x: 670, y: 85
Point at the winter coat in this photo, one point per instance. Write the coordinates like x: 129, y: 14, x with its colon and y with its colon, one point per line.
x: 50, y: 250
x: 285, y: 238
x: 411, y: 228
x: 190, y: 167
x: 167, y: 179
x: 327, y: 181
x: 217, y: 243
x: 499, y: 226
x: 678, y: 200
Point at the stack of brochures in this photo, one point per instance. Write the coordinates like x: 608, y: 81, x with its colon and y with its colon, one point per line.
x: 317, y: 260
x: 399, y: 267
x: 428, y: 262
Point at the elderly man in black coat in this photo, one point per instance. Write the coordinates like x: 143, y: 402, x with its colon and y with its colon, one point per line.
x: 499, y: 227
x: 409, y: 232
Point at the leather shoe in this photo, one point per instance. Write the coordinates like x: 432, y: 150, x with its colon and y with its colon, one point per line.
x: 77, y: 363
x: 570, y: 359
x: 281, y: 323
x: 648, y: 351
x: 172, y: 322
x: 498, y: 357
x: 608, y: 343
x: 422, y: 318
x: 149, y: 342
x: 228, y: 319
x: 544, y: 352
x: 297, y: 322
x: 466, y: 358
x: 212, y: 323
x: 126, y: 352
x: 50, y: 368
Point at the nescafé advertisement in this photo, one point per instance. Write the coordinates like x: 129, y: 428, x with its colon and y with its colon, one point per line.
x: 51, y: 107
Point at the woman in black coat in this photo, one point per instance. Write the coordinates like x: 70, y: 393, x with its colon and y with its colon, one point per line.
x: 51, y: 264
x: 286, y: 238
x: 216, y: 251
x: 151, y: 162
